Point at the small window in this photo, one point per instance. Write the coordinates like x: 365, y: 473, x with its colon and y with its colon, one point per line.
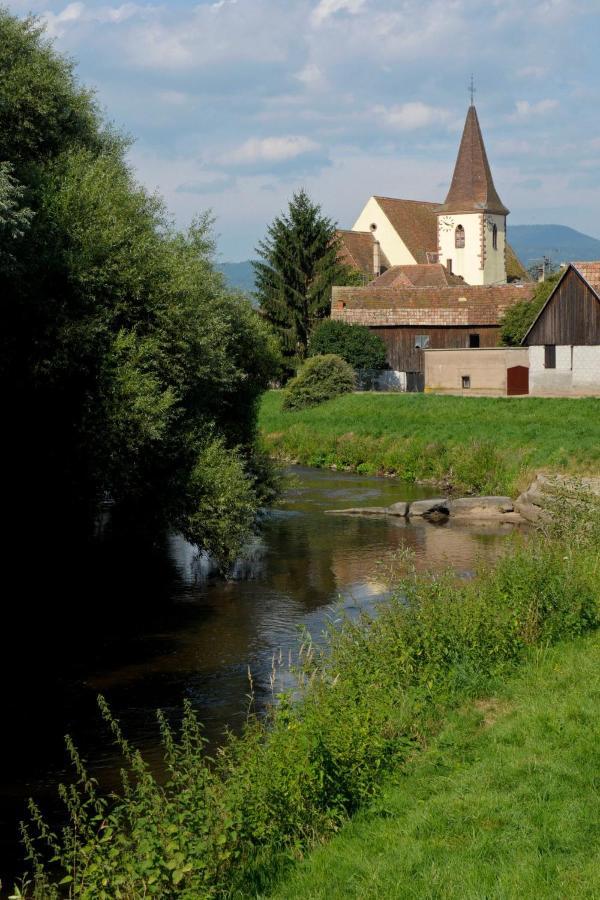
x: 550, y: 356
x: 466, y: 382
x: 473, y: 341
x: 459, y: 237
x: 422, y: 342
x: 495, y: 237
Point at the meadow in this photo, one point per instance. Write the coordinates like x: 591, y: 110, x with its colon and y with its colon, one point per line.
x: 471, y: 444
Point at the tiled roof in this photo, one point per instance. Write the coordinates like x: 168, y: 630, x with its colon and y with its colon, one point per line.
x: 591, y: 272
x: 433, y: 275
x: 472, y: 188
x: 456, y: 305
x: 356, y: 250
x: 416, y: 223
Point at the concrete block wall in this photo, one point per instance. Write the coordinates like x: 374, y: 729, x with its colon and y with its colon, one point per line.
x: 577, y: 371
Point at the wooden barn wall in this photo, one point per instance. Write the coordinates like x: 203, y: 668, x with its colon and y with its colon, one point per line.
x: 400, y: 342
x: 571, y: 317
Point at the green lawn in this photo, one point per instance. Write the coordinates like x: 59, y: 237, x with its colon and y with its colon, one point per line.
x: 477, y: 444
x: 504, y: 804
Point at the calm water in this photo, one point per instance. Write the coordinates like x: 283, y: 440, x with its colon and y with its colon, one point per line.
x: 147, y: 628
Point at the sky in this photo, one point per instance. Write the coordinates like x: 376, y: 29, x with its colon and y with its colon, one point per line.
x: 235, y: 104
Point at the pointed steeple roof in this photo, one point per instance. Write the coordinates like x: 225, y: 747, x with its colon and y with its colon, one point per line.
x: 472, y: 188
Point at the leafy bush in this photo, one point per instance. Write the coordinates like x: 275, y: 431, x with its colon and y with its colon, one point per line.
x: 362, y: 704
x: 518, y: 319
x: 355, y: 343
x: 319, y: 379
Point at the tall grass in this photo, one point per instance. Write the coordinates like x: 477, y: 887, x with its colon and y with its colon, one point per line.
x: 379, y: 687
x: 474, y: 444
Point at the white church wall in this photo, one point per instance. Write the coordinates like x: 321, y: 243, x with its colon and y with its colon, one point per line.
x: 494, y: 271
x: 466, y: 261
x: 390, y: 241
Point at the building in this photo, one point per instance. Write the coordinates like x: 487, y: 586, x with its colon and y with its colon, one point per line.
x: 442, y: 274
x: 564, y: 340
x: 488, y: 372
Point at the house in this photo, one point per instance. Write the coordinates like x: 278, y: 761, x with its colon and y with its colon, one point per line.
x: 564, y: 340
x: 441, y: 274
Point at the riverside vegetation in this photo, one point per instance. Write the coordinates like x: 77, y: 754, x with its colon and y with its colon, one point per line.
x: 364, y: 706
x: 475, y: 444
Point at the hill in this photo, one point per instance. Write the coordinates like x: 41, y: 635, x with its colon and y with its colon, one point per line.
x: 239, y: 275
x: 559, y: 243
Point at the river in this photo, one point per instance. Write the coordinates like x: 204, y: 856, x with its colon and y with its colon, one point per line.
x: 148, y: 628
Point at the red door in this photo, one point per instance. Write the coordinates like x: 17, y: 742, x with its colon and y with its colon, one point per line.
x: 517, y: 381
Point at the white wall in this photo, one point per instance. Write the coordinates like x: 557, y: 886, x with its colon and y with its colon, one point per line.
x: 468, y: 261
x: 391, y: 243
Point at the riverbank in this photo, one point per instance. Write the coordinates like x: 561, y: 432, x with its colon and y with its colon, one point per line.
x: 364, y: 705
x: 476, y: 445
x: 503, y: 803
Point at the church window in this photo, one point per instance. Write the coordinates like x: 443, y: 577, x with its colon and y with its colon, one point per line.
x: 495, y: 237
x: 459, y: 237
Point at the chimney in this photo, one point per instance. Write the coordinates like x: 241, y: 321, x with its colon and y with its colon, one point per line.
x: 376, y: 258
x: 449, y: 266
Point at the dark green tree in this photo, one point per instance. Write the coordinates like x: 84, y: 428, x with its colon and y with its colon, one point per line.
x: 297, y: 268
x: 357, y: 344
x: 517, y: 319
x: 126, y: 367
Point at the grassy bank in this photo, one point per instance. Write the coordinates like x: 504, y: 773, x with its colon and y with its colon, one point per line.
x: 504, y: 803
x: 367, y: 702
x: 474, y: 444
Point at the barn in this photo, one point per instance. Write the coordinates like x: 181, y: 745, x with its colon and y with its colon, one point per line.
x: 564, y: 340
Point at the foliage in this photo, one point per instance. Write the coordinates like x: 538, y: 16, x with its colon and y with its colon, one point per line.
x: 517, y: 320
x: 475, y: 444
x: 362, y: 705
x: 355, y: 343
x: 320, y: 378
x: 297, y: 267
x: 122, y: 355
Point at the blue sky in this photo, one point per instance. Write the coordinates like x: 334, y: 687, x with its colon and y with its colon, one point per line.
x: 236, y: 103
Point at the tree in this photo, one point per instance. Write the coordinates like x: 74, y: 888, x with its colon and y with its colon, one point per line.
x: 517, y: 320
x: 297, y: 268
x: 357, y: 344
x: 126, y: 367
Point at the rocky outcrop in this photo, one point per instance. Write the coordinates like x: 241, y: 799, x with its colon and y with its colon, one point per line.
x: 532, y: 504
x: 436, y: 508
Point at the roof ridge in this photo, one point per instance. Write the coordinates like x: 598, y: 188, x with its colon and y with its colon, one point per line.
x: 404, y: 200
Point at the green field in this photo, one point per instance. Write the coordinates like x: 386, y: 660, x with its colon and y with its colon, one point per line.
x: 474, y: 444
x: 504, y: 803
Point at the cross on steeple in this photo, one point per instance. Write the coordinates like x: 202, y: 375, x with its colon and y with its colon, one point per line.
x: 472, y: 90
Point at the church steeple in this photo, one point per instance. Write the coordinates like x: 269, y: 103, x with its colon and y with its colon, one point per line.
x: 472, y: 188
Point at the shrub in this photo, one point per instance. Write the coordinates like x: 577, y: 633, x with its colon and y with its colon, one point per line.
x: 356, y: 344
x: 319, y: 379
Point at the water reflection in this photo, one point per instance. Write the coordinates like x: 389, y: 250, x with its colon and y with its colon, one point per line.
x: 150, y: 628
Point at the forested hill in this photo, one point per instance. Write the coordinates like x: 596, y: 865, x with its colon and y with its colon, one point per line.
x: 530, y: 243
x: 559, y: 243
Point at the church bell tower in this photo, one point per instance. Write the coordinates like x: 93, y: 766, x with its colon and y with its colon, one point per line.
x: 472, y: 221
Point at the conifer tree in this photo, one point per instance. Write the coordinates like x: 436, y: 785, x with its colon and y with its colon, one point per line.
x: 297, y: 267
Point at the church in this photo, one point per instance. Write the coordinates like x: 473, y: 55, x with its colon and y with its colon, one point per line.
x: 437, y: 275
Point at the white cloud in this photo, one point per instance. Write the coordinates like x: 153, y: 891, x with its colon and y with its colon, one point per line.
x: 527, y: 110
x: 327, y: 8
x: 413, y: 115
x: 310, y: 75
x: 272, y: 149
x: 57, y: 24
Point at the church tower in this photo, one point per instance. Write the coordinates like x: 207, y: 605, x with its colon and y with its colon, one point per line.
x: 472, y: 221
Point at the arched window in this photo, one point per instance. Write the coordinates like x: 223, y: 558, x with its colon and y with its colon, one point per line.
x: 459, y: 237
x: 495, y: 237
